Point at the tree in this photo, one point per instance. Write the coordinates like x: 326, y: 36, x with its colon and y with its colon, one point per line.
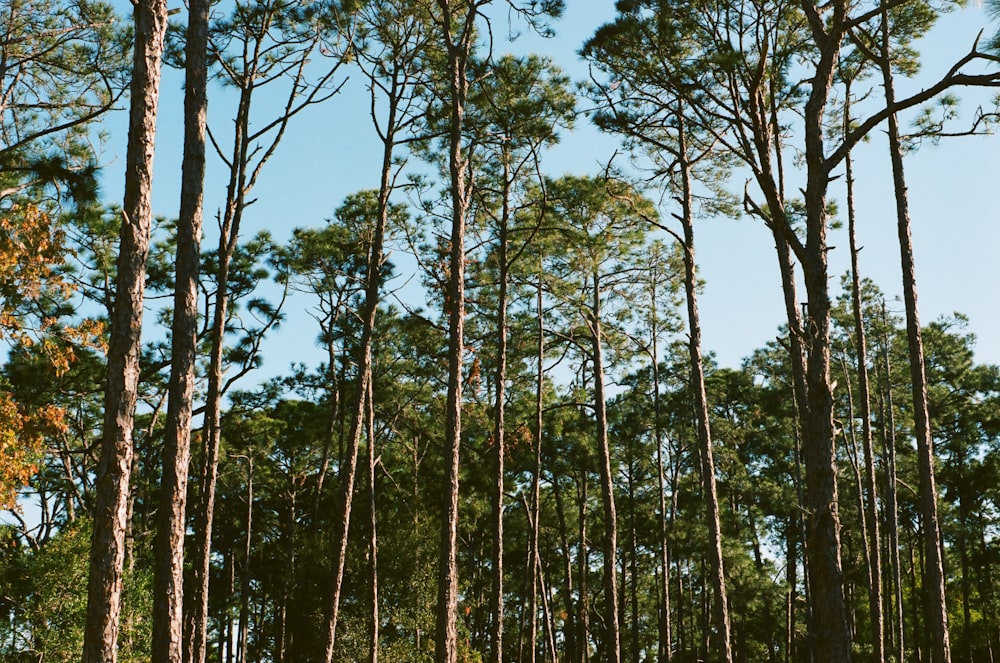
x: 64, y: 65
x: 256, y: 46
x: 933, y: 548
x: 168, y: 606
x: 110, y: 513
x: 392, y: 56
x: 514, y: 112
x: 601, y: 225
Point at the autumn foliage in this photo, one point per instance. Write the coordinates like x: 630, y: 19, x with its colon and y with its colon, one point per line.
x: 32, y: 249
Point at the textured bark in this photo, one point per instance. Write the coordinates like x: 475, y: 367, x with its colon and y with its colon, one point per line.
x: 829, y: 624
x: 244, y: 617
x: 375, y: 633
x: 212, y: 429
x: 937, y: 612
x: 898, y: 632
x: 107, y: 553
x: 168, y: 580
x: 723, y: 646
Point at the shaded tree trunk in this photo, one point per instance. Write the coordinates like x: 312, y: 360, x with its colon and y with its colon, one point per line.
x: 536, y: 506
x: 498, y: 420
x: 375, y: 634
x: 891, y: 507
x: 373, y: 285
x: 665, y: 645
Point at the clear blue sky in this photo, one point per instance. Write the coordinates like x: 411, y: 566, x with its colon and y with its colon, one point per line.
x: 331, y: 151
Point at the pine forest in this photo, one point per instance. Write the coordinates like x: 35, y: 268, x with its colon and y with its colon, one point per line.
x: 470, y: 410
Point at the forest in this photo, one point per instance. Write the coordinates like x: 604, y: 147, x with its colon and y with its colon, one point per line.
x: 515, y: 445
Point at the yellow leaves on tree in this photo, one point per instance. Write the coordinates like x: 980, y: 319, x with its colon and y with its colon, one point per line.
x: 31, y: 249
x: 21, y: 443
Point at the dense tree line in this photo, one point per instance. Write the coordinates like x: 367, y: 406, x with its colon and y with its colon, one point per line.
x: 516, y: 447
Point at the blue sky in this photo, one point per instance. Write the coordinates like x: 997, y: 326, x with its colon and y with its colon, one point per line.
x: 331, y: 151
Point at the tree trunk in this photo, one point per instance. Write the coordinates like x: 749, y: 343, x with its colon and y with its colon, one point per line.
x: 612, y: 637
x: 665, y: 647
x: 583, y: 568
x: 536, y: 473
x: 212, y: 428
x: 569, y: 627
x: 373, y: 522
x: 829, y: 624
x: 937, y: 608
x: 168, y: 590
x: 373, y: 285
x: 498, y: 419
x: 861, y: 346
x: 891, y: 508
x: 107, y: 553
x: 244, y: 618
x: 459, y: 42
x: 723, y: 646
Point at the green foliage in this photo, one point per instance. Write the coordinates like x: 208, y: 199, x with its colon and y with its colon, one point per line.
x: 64, y: 65
x: 48, y: 588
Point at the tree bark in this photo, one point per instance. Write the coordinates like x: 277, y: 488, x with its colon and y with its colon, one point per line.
x: 375, y: 634
x: 723, y: 646
x: 665, y: 648
x: 891, y: 507
x: 244, y: 617
x: 107, y: 553
x: 829, y: 624
x: 373, y: 285
x: 168, y: 581
x: 935, y: 580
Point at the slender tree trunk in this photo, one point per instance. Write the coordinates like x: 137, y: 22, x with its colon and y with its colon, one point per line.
x: 226, y: 633
x: 861, y: 345
x: 459, y: 42
x: 612, y: 637
x: 498, y: 418
x: 536, y: 506
x: 168, y: 580
x: 373, y: 285
x: 244, y: 618
x: 373, y: 517
x: 107, y: 554
x: 891, y: 508
x: 569, y: 604
x: 583, y: 569
x: 281, y: 639
x: 665, y: 647
x: 938, y: 612
x: 212, y: 428
x: 723, y: 646
x: 332, y: 417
